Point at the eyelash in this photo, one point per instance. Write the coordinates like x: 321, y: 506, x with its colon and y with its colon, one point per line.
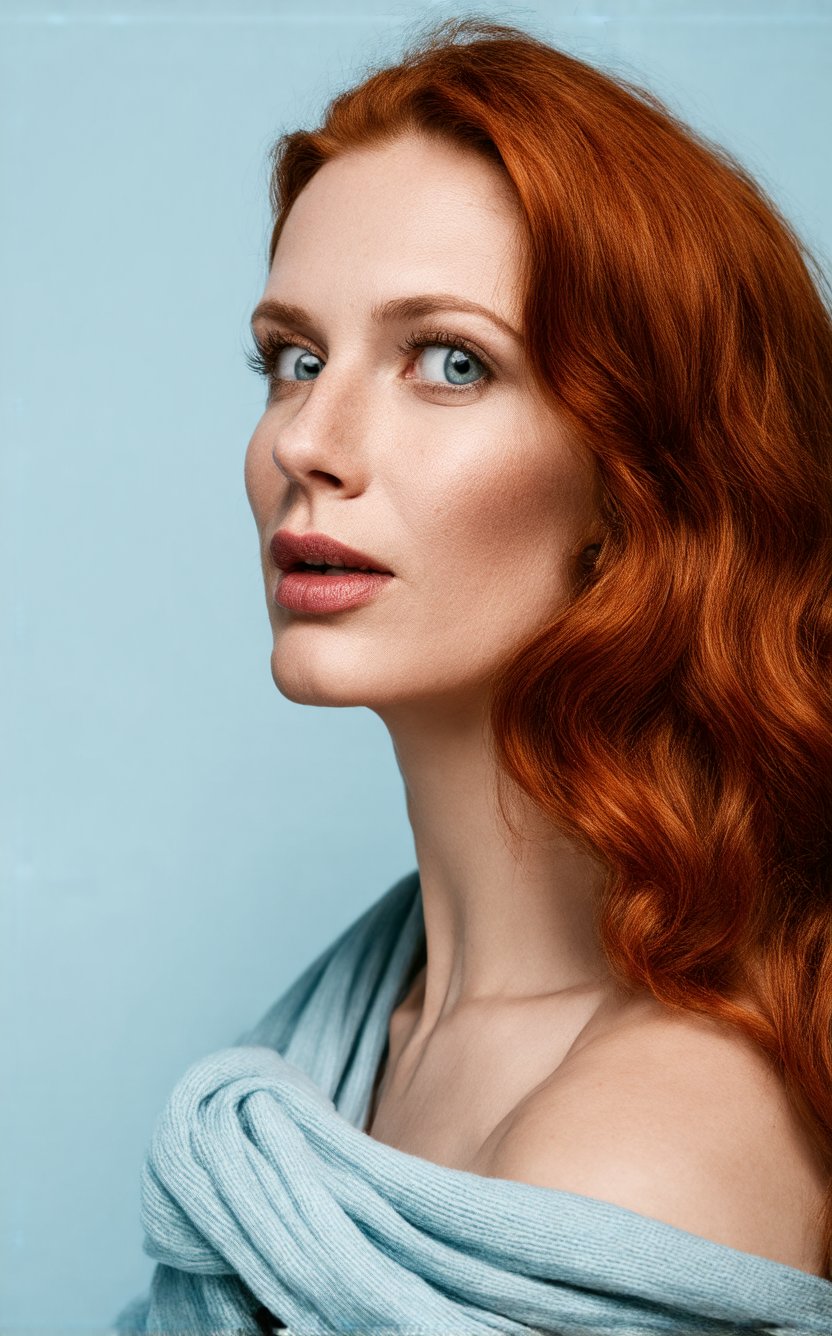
x: 262, y: 359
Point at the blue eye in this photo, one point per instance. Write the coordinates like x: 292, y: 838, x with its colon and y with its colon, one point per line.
x: 300, y: 365
x: 265, y: 356
x: 455, y: 359
x: 465, y: 367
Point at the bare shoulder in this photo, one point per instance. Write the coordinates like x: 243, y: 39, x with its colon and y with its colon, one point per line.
x: 680, y: 1118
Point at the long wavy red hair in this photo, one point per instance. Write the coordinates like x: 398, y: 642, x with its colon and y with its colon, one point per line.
x: 673, y: 716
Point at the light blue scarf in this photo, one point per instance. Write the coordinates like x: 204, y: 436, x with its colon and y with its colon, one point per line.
x: 262, y: 1192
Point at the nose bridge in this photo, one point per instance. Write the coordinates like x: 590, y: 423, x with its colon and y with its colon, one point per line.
x: 327, y: 432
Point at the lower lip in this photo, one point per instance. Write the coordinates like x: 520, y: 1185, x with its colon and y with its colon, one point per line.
x: 308, y: 591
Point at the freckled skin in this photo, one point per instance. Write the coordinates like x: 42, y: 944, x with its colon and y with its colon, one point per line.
x: 459, y: 496
x: 475, y: 500
x: 515, y: 1028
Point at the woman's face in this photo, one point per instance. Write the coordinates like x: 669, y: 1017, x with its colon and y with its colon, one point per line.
x: 443, y: 463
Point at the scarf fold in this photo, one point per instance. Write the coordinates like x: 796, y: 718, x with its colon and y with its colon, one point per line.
x: 267, y: 1207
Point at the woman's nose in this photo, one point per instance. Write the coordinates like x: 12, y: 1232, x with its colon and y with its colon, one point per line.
x: 280, y: 467
x: 325, y: 439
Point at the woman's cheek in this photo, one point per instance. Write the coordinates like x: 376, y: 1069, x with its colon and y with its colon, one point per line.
x: 260, y: 476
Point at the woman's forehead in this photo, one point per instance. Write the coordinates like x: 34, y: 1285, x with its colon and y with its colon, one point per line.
x: 368, y: 226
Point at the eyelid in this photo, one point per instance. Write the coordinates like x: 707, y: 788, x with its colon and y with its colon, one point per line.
x: 443, y: 338
x: 276, y: 339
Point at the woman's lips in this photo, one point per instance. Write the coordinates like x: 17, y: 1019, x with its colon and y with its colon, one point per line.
x: 290, y: 550
x: 311, y: 591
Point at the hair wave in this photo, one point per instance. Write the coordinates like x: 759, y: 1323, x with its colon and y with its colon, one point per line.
x: 673, y: 716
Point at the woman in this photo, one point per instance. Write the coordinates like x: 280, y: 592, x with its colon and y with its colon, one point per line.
x: 572, y: 443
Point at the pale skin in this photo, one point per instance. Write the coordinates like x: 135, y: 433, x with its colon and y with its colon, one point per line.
x: 516, y: 1053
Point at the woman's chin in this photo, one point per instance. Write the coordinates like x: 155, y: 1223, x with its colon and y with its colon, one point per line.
x: 307, y: 684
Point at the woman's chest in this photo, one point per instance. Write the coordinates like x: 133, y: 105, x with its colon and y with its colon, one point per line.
x: 458, y: 1103
x: 450, y: 1101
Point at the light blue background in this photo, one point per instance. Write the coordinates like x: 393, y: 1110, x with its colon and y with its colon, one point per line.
x: 179, y: 840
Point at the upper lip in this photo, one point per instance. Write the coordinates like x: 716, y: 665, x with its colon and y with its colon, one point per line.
x: 290, y: 550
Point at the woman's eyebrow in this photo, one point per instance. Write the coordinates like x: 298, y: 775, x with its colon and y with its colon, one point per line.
x: 397, y: 308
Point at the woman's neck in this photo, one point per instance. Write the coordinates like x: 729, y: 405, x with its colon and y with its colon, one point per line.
x: 504, y: 920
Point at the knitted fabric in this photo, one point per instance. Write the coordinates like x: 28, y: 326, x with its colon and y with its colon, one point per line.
x: 268, y: 1207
